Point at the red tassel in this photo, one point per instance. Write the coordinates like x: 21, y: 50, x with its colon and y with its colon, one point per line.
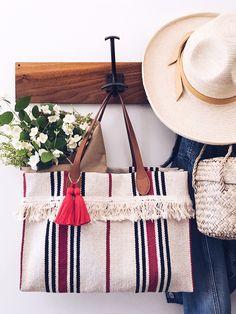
x: 81, y: 213
x: 73, y: 210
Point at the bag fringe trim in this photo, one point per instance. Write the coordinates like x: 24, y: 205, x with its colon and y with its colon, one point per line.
x: 114, y: 209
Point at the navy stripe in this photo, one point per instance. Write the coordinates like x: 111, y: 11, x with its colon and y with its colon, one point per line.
x: 83, y: 183
x: 167, y: 255
x: 159, y: 230
x: 163, y: 183
x: 137, y: 257
x: 72, y: 258
x: 52, y: 183
x: 46, y: 274
x: 133, y: 184
x: 78, y: 260
x: 136, y: 236
x: 53, y: 257
x: 157, y: 183
x: 58, y: 183
x: 166, y: 238
x: 78, y: 239
x: 143, y: 255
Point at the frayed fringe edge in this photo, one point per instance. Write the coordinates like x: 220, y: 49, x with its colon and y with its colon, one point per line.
x: 113, y: 210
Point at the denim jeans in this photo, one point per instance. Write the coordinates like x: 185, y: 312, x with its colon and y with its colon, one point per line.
x: 214, y: 260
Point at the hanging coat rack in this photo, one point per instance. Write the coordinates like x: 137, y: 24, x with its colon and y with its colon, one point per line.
x: 115, y: 81
x: 80, y: 82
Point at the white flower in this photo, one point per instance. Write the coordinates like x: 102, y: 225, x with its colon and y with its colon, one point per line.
x: 6, y: 129
x: 16, y: 131
x: 42, y: 138
x: 33, y: 161
x: 57, y: 153
x: 54, y: 118
x: 41, y: 151
x: 33, y: 132
x: 45, y: 109
x: 84, y: 126
x: 68, y: 128
x: 18, y: 145
x: 4, y: 139
x: 27, y: 146
x: 57, y: 109
x: 77, y: 138
x: 69, y: 118
x: 72, y: 144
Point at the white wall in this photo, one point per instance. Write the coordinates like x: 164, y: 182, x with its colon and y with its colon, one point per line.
x: 74, y: 30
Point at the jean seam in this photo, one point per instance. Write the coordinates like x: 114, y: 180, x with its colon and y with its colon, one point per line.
x: 213, y: 283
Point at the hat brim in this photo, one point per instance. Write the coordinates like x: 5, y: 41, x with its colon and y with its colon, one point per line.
x: 189, y: 116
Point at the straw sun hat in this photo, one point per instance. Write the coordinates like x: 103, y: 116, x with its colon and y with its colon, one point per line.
x: 189, y: 74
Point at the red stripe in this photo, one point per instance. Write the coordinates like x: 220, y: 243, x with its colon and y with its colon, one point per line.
x: 24, y: 185
x: 152, y: 251
x: 152, y: 256
x: 63, y: 230
x: 108, y: 233
x: 65, y: 182
x: 110, y: 184
x: 21, y: 253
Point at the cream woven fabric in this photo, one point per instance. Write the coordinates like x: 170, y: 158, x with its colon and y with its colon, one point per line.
x: 133, y: 243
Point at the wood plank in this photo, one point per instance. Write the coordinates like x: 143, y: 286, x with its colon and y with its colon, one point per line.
x: 75, y: 83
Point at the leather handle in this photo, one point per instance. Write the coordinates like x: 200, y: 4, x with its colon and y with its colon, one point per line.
x: 130, y: 145
x: 142, y: 179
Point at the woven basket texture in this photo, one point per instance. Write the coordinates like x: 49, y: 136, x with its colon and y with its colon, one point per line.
x: 216, y: 209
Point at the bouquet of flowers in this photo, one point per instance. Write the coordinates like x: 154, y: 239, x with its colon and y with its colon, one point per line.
x: 39, y: 136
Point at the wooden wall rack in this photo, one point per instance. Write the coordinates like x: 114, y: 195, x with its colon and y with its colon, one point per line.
x: 75, y: 83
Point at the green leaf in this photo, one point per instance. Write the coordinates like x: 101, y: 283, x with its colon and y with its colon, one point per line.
x: 22, y: 103
x: 50, y: 106
x: 44, y: 166
x: 42, y: 122
x: 49, y: 144
x: 24, y: 136
x: 34, y: 123
x: 35, y: 112
x: 27, y: 118
x: 46, y: 157
x: 59, y: 123
x: 6, y: 118
x: 23, y: 116
x: 36, y: 146
x: 21, y: 152
x: 60, y: 142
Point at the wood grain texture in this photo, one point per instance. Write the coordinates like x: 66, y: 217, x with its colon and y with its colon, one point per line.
x: 75, y: 83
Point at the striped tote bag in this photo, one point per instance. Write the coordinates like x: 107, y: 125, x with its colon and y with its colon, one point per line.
x: 133, y: 245
x: 137, y: 238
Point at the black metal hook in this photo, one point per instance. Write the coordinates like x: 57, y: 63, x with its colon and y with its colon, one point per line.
x: 115, y: 81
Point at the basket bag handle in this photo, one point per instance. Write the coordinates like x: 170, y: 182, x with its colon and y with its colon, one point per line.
x: 223, y: 162
x: 142, y: 179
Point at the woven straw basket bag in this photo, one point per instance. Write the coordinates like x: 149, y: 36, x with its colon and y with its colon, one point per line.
x: 214, y: 183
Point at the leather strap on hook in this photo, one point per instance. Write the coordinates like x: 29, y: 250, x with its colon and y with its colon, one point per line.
x: 142, y: 179
x: 182, y: 82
